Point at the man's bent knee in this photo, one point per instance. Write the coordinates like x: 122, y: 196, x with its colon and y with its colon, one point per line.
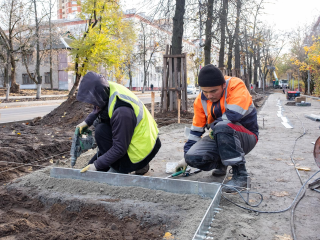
x: 205, y: 162
x: 222, y: 128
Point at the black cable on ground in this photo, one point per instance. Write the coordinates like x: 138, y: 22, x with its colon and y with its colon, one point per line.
x: 254, y: 210
x: 297, y: 171
x: 296, y: 200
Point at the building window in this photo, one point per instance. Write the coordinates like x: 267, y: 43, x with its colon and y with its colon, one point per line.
x: 47, y: 77
x: 74, y: 8
x: 74, y: 2
x: 26, y: 79
x: 28, y: 58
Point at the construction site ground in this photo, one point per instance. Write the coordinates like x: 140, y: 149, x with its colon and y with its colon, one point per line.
x: 33, y: 205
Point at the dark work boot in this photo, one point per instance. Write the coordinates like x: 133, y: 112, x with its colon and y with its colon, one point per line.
x: 143, y: 170
x: 238, y: 180
x: 221, y: 170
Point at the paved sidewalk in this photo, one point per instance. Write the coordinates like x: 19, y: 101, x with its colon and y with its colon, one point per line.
x: 42, y: 96
x: 31, y: 103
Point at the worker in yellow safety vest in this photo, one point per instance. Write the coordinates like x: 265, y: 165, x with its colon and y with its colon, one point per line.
x: 125, y: 132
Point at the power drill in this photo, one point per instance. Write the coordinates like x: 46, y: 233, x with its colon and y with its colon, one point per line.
x: 81, y: 143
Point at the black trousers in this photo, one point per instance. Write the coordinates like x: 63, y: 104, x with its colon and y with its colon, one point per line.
x: 230, y: 144
x: 103, y: 136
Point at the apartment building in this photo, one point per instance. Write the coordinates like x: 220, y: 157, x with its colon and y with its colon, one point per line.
x: 67, y: 9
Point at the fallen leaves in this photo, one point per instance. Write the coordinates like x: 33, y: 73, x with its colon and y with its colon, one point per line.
x: 303, y: 168
x: 167, y: 236
x: 280, y: 180
x: 280, y: 194
x: 283, y: 237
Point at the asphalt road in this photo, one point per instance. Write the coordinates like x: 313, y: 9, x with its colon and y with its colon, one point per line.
x: 28, y: 113
x: 24, y: 113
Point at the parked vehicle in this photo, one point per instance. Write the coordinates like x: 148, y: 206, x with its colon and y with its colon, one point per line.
x: 284, y: 83
x: 191, y: 89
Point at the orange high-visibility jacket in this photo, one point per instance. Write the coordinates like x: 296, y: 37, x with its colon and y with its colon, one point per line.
x: 234, y: 106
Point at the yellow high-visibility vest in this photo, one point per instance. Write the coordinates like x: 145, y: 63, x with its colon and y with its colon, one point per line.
x: 145, y: 133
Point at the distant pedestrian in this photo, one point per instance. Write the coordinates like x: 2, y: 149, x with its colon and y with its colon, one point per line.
x: 151, y: 86
x: 283, y: 88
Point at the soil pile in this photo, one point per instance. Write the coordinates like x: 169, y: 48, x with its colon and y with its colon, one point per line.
x: 40, y: 141
x: 69, y: 114
x: 23, y: 217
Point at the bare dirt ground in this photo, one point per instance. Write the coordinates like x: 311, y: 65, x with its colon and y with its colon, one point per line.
x: 38, y: 207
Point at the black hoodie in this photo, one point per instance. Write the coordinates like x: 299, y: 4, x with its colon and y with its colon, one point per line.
x: 94, y: 89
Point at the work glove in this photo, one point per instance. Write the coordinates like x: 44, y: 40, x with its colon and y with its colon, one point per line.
x: 182, y: 165
x: 82, y: 127
x: 211, y: 134
x: 90, y: 167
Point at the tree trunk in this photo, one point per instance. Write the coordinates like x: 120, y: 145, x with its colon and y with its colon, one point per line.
x: 223, y: 19
x: 15, y: 88
x: 130, y: 77
x: 255, y: 67
x: 50, y: 57
x: 75, y: 85
x: 178, y: 27
x: 207, y: 44
x: 39, y: 78
x: 231, y: 40
x: 144, y: 81
x: 144, y: 64
x: 236, y: 38
x: 177, y: 37
x: 248, y: 79
x: 7, y: 75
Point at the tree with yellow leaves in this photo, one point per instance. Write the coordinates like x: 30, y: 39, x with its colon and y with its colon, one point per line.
x: 102, y: 42
x: 311, y: 64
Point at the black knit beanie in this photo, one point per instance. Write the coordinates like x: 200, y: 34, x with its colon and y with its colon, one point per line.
x: 210, y: 76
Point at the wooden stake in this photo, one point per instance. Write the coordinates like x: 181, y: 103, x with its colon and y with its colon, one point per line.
x: 152, y: 104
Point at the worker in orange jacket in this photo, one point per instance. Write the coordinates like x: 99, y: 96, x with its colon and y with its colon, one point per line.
x: 225, y: 105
